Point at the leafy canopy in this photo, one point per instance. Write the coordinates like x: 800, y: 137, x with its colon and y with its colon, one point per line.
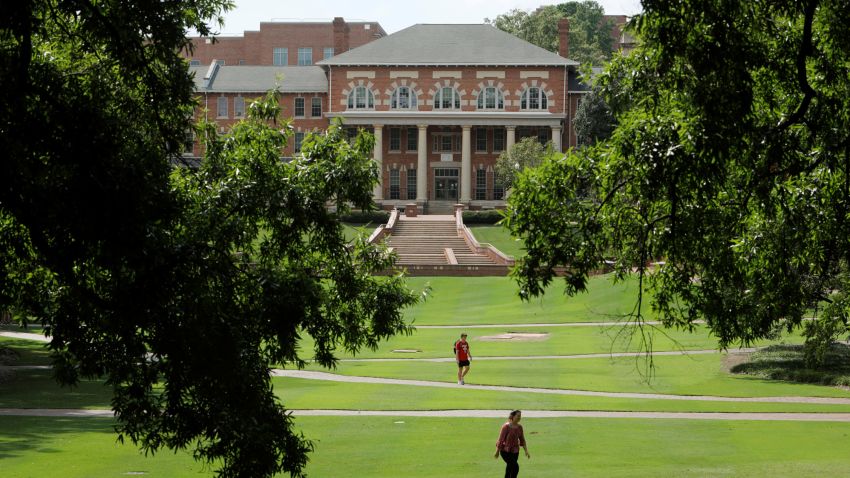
x: 730, y: 167
x: 590, y: 33
x: 181, y: 287
x: 527, y: 153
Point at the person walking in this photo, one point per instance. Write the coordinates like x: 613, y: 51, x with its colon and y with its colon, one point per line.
x: 462, y: 357
x: 510, y: 439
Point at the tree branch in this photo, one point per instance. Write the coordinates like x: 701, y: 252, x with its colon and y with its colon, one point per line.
x: 805, y: 50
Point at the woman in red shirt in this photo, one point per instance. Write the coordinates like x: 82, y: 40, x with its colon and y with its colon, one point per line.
x: 510, y: 439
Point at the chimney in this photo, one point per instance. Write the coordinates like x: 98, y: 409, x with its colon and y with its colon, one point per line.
x: 341, y: 31
x: 564, y: 37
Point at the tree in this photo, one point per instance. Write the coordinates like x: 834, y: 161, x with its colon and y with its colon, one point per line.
x: 182, y: 287
x: 527, y: 153
x: 730, y: 166
x: 590, y: 33
x: 593, y: 120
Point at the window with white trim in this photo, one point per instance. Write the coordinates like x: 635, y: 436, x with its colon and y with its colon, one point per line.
x: 328, y: 52
x: 498, y: 140
x: 305, y: 56
x: 239, y: 107
x: 491, y: 98
x: 221, y: 107
x: 498, y: 189
x: 361, y: 98
x: 480, y: 140
x: 316, y: 107
x: 481, y: 185
x: 299, y: 107
x: 533, y: 98
x: 395, y: 184
x: 411, y: 184
x: 446, y: 143
x: 447, y: 98
x: 412, y: 139
x: 189, y: 142
x: 395, y: 139
x: 403, y: 98
x: 280, y: 56
x: 194, y: 62
x: 299, y: 140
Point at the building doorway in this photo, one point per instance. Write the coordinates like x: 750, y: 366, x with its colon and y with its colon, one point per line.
x: 446, y: 184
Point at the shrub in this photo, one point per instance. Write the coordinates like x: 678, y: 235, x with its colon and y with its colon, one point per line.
x: 366, y: 217
x: 482, y: 217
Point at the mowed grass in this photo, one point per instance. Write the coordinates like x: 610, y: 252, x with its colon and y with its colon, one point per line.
x: 81, y: 448
x: 499, y: 237
x: 434, y: 447
x: 495, y: 300
x: 677, y: 375
x: 563, y: 447
x: 484, y: 342
x: 305, y: 394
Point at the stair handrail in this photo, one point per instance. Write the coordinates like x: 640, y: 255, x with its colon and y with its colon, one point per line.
x: 384, y: 229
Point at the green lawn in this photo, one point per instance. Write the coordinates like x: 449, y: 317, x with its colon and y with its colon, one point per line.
x: 435, y: 343
x: 691, y: 375
x: 494, y: 300
x: 436, y: 447
x: 605, y: 448
x: 499, y: 238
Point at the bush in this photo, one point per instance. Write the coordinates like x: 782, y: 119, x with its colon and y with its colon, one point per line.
x: 366, y: 217
x: 822, y: 333
x: 482, y: 217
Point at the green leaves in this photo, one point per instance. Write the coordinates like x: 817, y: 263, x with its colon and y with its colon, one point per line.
x: 719, y: 171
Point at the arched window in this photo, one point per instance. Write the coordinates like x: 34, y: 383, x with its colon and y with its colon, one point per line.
x: 533, y: 99
x: 447, y: 98
x: 361, y: 98
x: 491, y: 98
x: 403, y: 98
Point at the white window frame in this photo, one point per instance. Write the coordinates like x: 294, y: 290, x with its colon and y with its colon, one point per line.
x: 396, y: 100
x: 440, y: 102
x: 222, y: 112
x: 327, y: 52
x: 499, y: 139
x: 280, y: 56
x: 395, y: 184
x: 305, y: 56
x: 361, y: 93
x: 478, y: 136
x: 527, y: 99
x: 491, y: 93
x: 303, y: 107
x: 239, y: 107
x: 313, y: 105
x: 298, y: 141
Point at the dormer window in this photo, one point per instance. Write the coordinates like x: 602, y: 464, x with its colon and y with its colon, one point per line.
x: 403, y: 98
x: 534, y: 98
x: 361, y: 98
x: 491, y: 98
x: 447, y: 98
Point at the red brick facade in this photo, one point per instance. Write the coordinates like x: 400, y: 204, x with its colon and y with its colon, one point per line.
x: 257, y: 47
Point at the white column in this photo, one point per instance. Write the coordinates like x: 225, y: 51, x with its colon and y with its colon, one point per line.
x: 378, y: 155
x: 556, y: 139
x: 511, y: 132
x: 422, y: 165
x: 466, y: 165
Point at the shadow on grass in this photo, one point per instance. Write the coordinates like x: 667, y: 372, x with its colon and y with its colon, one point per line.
x: 21, y: 436
x: 787, y: 362
x: 37, y: 389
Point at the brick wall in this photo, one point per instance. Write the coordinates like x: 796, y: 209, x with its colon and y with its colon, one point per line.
x: 257, y: 47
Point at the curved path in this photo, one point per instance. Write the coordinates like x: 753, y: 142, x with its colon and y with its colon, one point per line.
x: 808, y: 417
x: 553, y: 391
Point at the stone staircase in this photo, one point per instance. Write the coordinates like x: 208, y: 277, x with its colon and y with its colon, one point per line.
x: 432, y: 241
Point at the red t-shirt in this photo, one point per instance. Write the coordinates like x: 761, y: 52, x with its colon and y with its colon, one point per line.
x: 462, y: 349
x: 510, y: 438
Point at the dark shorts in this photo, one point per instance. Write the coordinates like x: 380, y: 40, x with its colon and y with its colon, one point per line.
x: 463, y: 363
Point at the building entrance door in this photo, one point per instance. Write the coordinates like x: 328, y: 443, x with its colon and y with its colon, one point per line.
x: 445, y: 184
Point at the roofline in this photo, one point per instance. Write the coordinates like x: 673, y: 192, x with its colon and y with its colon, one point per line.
x: 259, y: 92
x: 566, y: 63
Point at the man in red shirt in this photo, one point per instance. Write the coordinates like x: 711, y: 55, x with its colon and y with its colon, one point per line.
x: 462, y: 357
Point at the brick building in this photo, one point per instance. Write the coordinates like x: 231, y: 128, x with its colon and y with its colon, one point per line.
x: 442, y: 101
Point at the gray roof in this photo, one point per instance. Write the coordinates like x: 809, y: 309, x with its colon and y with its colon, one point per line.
x: 425, y: 44
x: 258, y: 79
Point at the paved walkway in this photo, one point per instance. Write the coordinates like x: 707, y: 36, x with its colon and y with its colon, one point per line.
x: 808, y: 417
x: 554, y: 391
x: 554, y: 357
x: 25, y: 336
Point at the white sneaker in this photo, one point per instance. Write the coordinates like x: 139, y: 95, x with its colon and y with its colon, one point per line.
x: 460, y: 382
